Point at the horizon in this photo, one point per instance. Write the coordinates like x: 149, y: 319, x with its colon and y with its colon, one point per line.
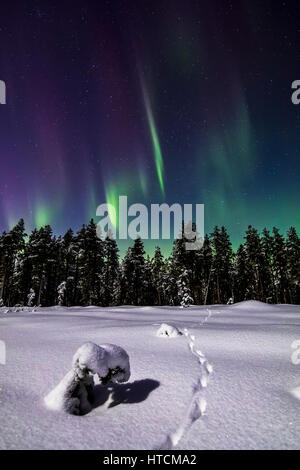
x: 165, y: 246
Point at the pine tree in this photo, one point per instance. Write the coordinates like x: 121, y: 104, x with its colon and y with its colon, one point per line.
x: 125, y: 294
x: 68, y: 257
x: 135, y: 264
x: 30, y: 298
x: 169, y: 284
x: 184, y: 258
x: 149, y: 290
x: 280, y: 267
x: 205, y: 271
x: 222, y: 265
x: 90, y: 266
x: 241, y: 276
x: 61, y: 290
x: 268, y: 274
x: 111, y: 271
x: 84, y: 270
x: 256, y: 265
x: 157, y: 270
x: 133, y: 281
x: 293, y: 264
x: 184, y: 291
x: 40, y: 259
x: 11, y: 246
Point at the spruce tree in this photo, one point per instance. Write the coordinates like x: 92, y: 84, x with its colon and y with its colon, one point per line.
x: 256, y: 264
x: 149, y: 290
x: 184, y: 291
x: 137, y: 279
x: 293, y: 265
x: 111, y: 271
x: 84, y: 270
x: 157, y: 270
x: 241, y: 276
x: 222, y: 265
x: 68, y: 269
x: 268, y: 274
x: 169, y: 279
x: 90, y: 266
x: 11, y: 247
x: 40, y: 259
x: 206, y: 265
x: 185, y: 258
x: 280, y: 267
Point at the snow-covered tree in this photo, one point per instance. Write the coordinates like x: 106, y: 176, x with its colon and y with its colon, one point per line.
x: 241, y: 277
x: 74, y: 393
x: 133, y: 274
x: 266, y: 267
x: 204, y: 272
x: 157, y: 272
x: 222, y: 265
x: 61, y: 290
x: 280, y: 267
x: 11, y: 246
x: 30, y: 297
x: 184, y: 291
x: 111, y: 271
x: 90, y: 266
x: 293, y: 264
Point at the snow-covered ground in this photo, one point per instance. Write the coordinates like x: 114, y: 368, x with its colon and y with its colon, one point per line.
x: 252, y: 396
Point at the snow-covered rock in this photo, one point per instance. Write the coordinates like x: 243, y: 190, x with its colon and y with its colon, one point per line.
x: 168, y: 331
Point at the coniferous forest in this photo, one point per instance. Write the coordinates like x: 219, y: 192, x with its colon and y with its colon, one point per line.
x: 81, y: 269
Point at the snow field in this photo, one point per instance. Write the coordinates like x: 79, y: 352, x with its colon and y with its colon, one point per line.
x: 251, y: 397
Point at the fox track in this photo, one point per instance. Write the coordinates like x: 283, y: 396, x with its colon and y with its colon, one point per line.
x: 197, y: 406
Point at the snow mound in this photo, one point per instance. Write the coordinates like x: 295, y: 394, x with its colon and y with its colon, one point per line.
x: 74, y: 392
x: 109, y: 361
x: 117, y: 361
x: 168, y: 331
x: 252, y: 305
x: 90, y: 358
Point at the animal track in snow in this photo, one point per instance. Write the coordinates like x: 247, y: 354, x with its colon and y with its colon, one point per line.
x: 197, y: 405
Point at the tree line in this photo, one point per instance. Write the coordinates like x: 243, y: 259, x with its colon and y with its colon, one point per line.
x: 81, y: 269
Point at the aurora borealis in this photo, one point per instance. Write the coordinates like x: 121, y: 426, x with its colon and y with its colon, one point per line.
x: 186, y: 102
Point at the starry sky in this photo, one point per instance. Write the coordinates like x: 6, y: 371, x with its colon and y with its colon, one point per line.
x: 183, y: 101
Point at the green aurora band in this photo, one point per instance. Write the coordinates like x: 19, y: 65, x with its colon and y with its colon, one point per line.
x: 159, y: 164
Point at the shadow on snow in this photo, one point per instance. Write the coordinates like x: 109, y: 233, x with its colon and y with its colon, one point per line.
x: 128, y: 393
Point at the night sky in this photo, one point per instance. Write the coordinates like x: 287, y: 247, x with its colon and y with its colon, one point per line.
x: 165, y: 101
